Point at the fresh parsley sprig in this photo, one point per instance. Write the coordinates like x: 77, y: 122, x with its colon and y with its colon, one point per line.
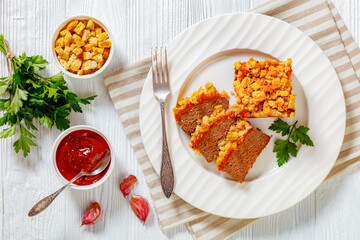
x: 285, y: 148
x: 27, y: 96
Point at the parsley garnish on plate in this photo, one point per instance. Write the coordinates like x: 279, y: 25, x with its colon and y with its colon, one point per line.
x: 285, y: 148
x: 28, y: 96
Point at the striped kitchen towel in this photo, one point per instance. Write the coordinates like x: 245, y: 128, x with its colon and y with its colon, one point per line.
x: 316, y: 18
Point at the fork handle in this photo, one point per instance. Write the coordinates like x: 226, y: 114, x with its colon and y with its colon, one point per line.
x: 166, y: 173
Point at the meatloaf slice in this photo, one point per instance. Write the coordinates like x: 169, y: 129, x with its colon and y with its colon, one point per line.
x: 190, y: 110
x: 188, y: 120
x: 208, y: 145
x: 241, y: 160
x: 211, y: 131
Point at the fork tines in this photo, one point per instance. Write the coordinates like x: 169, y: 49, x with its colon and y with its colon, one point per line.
x: 159, y: 67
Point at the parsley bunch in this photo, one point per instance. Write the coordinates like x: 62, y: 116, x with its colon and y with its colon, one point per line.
x: 285, y: 148
x: 28, y: 96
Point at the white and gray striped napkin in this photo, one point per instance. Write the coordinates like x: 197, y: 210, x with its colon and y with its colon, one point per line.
x: 316, y: 18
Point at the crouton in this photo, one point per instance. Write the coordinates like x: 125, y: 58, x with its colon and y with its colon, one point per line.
x: 105, y: 44
x: 71, y: 26
x: 97, y: 50
x: 67, y: 50
x: 106, y: 53
x: 87, y: 55
x: 80, y: 26
x: 72, y: 58
x: 73, y: 46
x: 75, y: 65
x: 64, y: 32
x: 86, y: 35
x: 102, y: 36
x: 90, y: 25
x: 67, y: 39
x: 88, y: 47
x: 93, y: 40
x: 98, y: 58
x: 78, y: 41
x: 77, y: 51
x: 98, y: 31
x: 60, y: 42
x: 89, y: 65
x: 59, y: 50
x: 64, y: 63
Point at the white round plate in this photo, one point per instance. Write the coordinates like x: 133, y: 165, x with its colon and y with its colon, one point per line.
x: 206, y: 52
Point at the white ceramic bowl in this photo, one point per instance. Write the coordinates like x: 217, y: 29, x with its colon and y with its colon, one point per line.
x: 61, y: 137
x: 56, y: 34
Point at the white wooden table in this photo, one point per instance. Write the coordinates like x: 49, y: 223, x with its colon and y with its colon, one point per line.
x: 331, y: 212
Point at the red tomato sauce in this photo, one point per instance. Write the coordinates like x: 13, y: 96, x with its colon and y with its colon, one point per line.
x: 81, y: 150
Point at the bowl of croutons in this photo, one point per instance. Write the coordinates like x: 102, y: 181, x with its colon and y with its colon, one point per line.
x: 82, y: 47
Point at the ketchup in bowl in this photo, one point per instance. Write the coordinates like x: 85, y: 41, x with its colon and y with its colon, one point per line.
x: 81, y: 150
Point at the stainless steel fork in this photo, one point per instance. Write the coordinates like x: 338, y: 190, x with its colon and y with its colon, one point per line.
x: 160, y: 76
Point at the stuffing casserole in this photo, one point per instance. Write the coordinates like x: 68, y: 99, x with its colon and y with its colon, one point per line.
x: 263, y: 89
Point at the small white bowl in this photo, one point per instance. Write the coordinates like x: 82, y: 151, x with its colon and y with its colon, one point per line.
x: 61, y: 137
x: 56, y: 34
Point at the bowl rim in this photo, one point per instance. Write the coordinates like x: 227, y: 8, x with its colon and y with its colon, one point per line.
x: 56, y: 145
x: 56, y: 34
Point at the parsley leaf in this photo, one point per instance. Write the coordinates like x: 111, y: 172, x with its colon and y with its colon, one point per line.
x: 280, y: 126
x: 283, y: 150
x: 38, y: 63
x: 7, y: 132
x: 17, y: 102
x: 60, y: 117
x: 34, y: 97
x: 86, y: 100
x: 52, y: 93
x: 3, y: 103
x: 3, y: 88
x: 300, y: 133
x: 286, y: 148
x: 46, y: 121
x: 4, y: 120
x: 22, y: 144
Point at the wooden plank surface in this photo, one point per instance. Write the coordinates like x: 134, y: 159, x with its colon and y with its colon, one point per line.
x: 331, y: 212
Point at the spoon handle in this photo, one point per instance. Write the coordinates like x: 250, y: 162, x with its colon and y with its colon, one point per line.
x: 46, y: 201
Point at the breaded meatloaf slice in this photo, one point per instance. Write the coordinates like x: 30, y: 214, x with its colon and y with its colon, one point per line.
x: 211, y: 131
x: 240, y: 149
x: 263, y: 89
x: 190, y: 110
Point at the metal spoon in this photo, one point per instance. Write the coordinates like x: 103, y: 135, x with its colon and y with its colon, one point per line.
x: 45, y: 202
